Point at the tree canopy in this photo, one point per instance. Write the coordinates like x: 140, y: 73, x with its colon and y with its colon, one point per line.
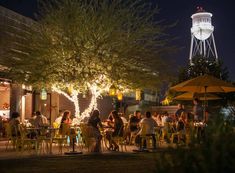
x: 81, y: 42
x: 202, y: 65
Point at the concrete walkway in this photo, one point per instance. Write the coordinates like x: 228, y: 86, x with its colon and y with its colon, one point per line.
x: 12, y: 153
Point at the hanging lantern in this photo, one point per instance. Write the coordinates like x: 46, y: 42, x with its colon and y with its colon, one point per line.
x: 165, y: 102
x: 112, y: 90
x: 138, y: 94
x: 119, y: 96
x: 70, y: 89
x: 43, y: 94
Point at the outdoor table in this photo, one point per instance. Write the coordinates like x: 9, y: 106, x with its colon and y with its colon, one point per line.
x: 51, y: 130
x: 73, y: 135
x: 43, y: 133
x: 199, y: 129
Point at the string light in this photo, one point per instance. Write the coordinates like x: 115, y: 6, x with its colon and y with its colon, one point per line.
x: 73, y: 98
x: 95, y: 91
x: 99, y: 86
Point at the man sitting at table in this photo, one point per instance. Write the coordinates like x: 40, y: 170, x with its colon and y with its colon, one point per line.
x: 40, y: 120
x: 134, y: 125
x: 147, y: 126
x: 166, y: 118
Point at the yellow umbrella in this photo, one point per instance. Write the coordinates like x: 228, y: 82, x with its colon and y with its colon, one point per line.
x: 203, y: 84
x: 191, y: 96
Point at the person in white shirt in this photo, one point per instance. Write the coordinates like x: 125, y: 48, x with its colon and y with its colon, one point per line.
x: 147, y: 128
x: 124, y: 120
x: 59, y: 118
x: 166, y: 118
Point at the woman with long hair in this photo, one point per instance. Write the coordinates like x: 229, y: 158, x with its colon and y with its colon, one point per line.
x: 95, y: 123
x: 65, y: 123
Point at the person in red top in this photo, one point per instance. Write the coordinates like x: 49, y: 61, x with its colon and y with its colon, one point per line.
x: 66, y: 118
x: 65, y: 123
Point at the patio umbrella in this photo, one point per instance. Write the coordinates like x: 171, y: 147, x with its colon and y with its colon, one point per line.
x: 191, y: 96
x: 203, y: 84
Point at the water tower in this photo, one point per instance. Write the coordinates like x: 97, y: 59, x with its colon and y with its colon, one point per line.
x: 202, y: 38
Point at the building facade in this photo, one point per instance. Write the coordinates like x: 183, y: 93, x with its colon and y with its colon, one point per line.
x: 14, y: 97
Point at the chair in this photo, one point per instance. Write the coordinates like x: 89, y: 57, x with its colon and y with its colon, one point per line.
x: 104, y: 141
x: 165, y: 132
x: 132, y: 137
x: 121, y: 140
x: 11, y: 140
x: 27, y: 143
x: 145, y: 137
x: 175, y: 134
x: 78, y: 137
x: 88, y: 136
x: 44, y: 140
x: 56, y: 125
x: 158, y: 134
x: 61, y: 135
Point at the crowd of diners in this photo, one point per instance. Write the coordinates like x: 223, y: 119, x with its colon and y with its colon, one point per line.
x: 138, y: 126
x: 132, y: 129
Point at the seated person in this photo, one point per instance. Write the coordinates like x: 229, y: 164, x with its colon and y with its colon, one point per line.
x: 32, y: 118
x: 59, y: 118
x: 109, y: 121
x: 40, y: 120
x: 181, y: 121
x: 157, y: 117
x: 15, y: 124
x: 95, y: 122
x: 123, y: 118
x: 179, y: 111
x: 147, y: 126
x: 117, y: 131
x: 134, y: 122
x: 166, y: 118
x: 134, y: 125
x: 65, y: 123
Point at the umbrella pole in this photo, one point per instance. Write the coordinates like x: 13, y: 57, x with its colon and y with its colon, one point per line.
x: 204, y: 109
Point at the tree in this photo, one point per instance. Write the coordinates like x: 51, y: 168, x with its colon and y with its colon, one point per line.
x: 81, y: 45
x: 202, y: 65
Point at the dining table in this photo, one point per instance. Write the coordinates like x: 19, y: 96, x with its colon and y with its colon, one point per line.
x: 73, y: 134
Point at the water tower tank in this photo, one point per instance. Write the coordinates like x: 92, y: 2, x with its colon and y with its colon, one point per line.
x: 202, y: 37
x: 201, y: 25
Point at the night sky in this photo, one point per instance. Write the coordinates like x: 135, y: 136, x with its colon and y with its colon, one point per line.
x: 223, y: 21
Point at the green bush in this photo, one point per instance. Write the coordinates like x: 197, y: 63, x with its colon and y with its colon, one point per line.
x: 216, y: 153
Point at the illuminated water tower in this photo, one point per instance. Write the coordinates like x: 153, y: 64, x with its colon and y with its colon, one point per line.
x: 202, y: 38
